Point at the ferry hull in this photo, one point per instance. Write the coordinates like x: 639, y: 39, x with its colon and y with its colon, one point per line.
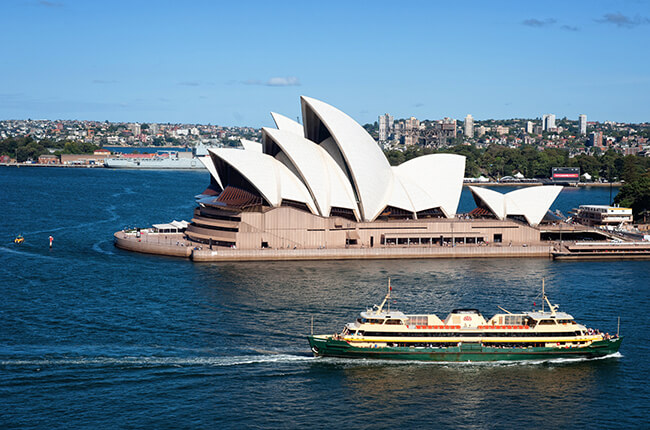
x: 326, y: 346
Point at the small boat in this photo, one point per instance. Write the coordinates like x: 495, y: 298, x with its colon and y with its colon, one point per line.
x: 19, y: 239
x: 465, y: 335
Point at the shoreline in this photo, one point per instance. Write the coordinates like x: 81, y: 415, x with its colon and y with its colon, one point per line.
x: 478, y: 184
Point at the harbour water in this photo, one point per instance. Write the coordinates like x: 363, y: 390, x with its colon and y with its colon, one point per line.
x: 95, y: 337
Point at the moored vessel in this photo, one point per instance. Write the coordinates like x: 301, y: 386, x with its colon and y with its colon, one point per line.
x: 465, y: 335
x: 162, y: 159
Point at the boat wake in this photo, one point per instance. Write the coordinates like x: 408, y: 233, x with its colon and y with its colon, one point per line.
x: 97, y: 248
x: 501, y: 363
x: 152, y: 361
x: 25, y: 253
x: 113, y: 216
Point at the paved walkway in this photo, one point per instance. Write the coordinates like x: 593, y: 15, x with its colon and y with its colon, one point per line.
x: 173, y: 244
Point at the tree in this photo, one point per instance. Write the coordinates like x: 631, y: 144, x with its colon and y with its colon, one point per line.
x: 30, y: 151
x: 635, y: 195
x: 395, y: 157
x: 631, y: 169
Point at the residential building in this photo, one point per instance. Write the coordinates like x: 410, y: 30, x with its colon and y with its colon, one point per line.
x: 582, y: 120
x: 596, y: 139
x: 136, y: 129
x: 501, y: 130
x: 469, y: 126
x: 548, y: 122
x: 529, y: 127
x: 386, y: 125
x: 412, y: 124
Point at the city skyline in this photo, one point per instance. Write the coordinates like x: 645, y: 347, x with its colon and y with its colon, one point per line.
x: 229, y: 64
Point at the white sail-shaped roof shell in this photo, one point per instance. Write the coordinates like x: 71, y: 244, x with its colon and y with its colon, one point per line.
x: 325, y: 180
x: 287, y: 124
x: 532, y: 203
x: 430, y: 181
x: 272, y: 179
x: 206, y: 160
x: 365, y: 164
x: 495, y: 201
x: 251, y: 145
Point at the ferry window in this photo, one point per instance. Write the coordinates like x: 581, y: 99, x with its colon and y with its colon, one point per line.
x: 418, y: 320
x: 514, y: 320
x: 547, y: 322
x: 498, y: 238
x: 394, y: 322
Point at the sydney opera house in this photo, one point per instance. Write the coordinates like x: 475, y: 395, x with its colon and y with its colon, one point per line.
x: 327, y: 184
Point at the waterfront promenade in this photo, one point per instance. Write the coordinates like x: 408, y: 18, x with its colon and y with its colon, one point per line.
x: 175, y: 245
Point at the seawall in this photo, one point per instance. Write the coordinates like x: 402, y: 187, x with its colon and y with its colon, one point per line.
x: 173, y: 245
x: 383, y: 253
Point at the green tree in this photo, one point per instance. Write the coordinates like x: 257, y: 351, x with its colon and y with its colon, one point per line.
x: 395, y: 157
x: 635, y: 195
x: 30, y: 151
x: 632, y: 169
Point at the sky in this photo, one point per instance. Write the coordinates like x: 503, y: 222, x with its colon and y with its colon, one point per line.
x: 231, y: 63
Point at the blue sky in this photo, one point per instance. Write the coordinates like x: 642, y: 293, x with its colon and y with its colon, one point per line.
x: 230, y: 63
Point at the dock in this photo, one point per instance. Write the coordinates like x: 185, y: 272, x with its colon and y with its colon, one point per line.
x: 603, y: 251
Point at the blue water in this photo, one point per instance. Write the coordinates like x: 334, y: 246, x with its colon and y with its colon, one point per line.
x: 95, y: 337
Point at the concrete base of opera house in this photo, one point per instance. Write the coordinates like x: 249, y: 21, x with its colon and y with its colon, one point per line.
x: 175, y: 245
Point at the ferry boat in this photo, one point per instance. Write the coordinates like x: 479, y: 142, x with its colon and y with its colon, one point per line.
x: 465, y: 335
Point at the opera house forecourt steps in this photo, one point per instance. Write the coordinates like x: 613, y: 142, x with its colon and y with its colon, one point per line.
x: 324, y: 190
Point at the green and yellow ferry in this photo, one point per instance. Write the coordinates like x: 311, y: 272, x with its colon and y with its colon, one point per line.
x: 465, y: 335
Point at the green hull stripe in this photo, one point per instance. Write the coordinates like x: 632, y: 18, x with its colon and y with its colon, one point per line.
x: 466, y: 352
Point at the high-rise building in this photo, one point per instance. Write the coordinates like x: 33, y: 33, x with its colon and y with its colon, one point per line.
x: 596, y: 139
x: 412, y: 124
x: 529, y: 127
x: 582, y: 120
x: 136, y: 129
x: 548, y: 122
x: 385, y: 127
x: 469, y: 126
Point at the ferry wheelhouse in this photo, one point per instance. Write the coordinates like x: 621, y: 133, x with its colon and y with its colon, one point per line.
x: 465, y: 335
